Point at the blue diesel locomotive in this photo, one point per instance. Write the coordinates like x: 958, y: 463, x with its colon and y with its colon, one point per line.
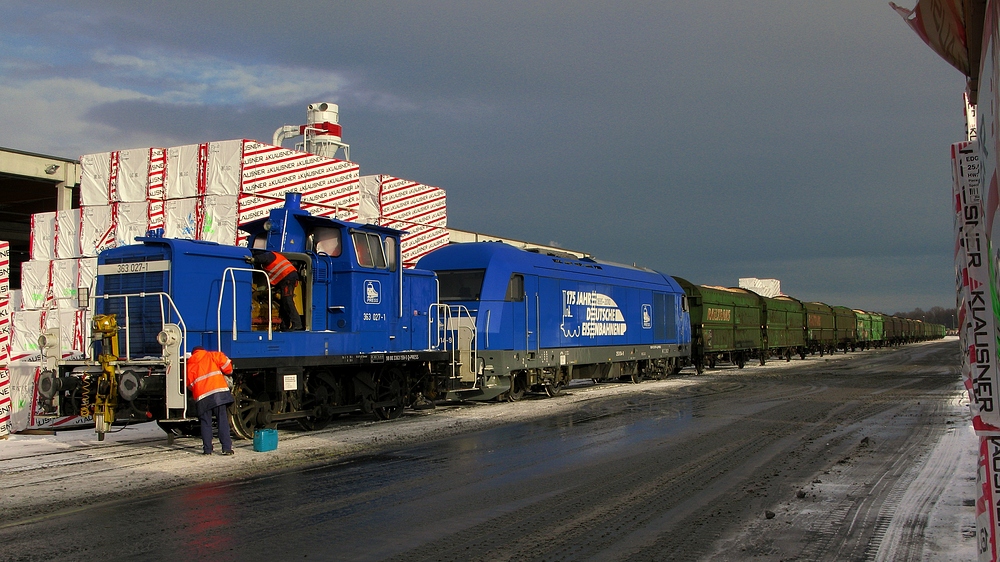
x: 473, y: 321
x: 542, y: 320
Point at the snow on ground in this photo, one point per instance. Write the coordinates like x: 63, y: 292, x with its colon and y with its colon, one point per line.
x: 36, y: 471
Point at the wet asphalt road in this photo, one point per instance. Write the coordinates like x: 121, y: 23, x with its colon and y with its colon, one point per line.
x: 654, y: 476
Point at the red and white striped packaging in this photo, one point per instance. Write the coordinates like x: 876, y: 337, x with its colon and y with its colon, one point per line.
x: 157, y: 217
x: 87, y: 269
x: 130, y: 220
x: 22, y: 394
x: 140, y: 175
x: 43, y: 236
x: 28, y: 410
x: 36, y: 284
x: 183, y: 170
x: 6, y: 404
x: 411, y: 201
x: 98, y: 172
x: 26, y: 326
x: 420, y: 240
x: 337, y: 188
x: 67, y: 240
x: 65, y: 279
x: 247, y: 166
x: 218, y: 215
x: 335, y: 202
x: 71, y: 325
x: 4, y: 270
x: 97, y: 229
x: 988, y: 497
x: 181, y: 218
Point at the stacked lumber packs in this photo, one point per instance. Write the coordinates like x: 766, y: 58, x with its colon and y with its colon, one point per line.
x: 417, y: 209
x: 205, y: 191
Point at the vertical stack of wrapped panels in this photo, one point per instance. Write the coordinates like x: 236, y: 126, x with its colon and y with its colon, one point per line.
x: 419, y: 210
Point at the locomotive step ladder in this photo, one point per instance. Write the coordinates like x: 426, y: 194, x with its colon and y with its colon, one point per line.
x: 452, y: 328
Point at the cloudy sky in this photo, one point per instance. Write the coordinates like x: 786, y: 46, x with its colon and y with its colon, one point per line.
x: 806, y: 141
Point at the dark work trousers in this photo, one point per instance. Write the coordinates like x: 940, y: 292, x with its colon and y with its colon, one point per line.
x: 286, y: 303
x: 222, y: 418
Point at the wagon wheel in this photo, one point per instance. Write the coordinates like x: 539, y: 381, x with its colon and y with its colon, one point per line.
x: 390, y: 388
x: 741, y: 360
x: 322, y: 393
x: 634, y: 378
x: 553, y: 389
x: 518, y: 385
x: 252, y: 409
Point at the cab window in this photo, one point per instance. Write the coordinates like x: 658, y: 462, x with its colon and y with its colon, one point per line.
x: 368, y: 249
x: 391, y: 253
x: 515, y: 288
x: 326, y: 241
x: 460, y: 285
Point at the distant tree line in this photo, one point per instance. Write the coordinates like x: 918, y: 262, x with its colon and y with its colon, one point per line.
x: 936, y: 315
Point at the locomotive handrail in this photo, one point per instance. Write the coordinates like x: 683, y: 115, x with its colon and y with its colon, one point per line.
x: 163, y: 318
x: 444, y: 314
x: 222, y: 291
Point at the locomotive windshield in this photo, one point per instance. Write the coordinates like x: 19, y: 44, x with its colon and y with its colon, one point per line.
x: 461, y: 285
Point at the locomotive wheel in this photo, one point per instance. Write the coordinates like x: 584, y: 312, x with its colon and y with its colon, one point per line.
x: 389, y: 388
x: 552, y: 390
x: 252, y: 410
x: 517, y: 388
x: 322, y: 392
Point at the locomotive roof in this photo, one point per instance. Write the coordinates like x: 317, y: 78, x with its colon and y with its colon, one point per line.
x: 490, y: 255
x: 179, y: 245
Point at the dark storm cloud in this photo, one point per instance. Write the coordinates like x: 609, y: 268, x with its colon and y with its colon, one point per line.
x: 706, y: 140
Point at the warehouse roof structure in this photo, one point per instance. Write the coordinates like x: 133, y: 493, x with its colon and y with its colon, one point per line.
x: 31, y: 183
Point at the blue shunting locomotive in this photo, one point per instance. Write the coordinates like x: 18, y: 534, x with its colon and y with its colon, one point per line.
x: 473, y: 321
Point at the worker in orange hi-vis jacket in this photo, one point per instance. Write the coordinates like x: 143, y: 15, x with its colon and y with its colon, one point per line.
x: 207, y: 383
x: 284, y: 277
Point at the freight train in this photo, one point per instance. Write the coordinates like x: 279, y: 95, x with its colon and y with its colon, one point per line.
x: 738, y: 325
x: 473, y: 321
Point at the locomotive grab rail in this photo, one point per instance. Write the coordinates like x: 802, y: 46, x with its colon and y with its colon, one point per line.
x: 222, y: 292
x: 163, y: 317
x: 182, y: 360
x: 449, y: 319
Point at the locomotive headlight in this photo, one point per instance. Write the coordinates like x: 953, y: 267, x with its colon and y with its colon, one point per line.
x: 166, y: 337
x: 43, y: 341
x: 267, y: 225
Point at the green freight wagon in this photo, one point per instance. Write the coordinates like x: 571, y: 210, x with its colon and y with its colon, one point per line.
x: 846, y: 325
x: 864, y: 328
x: 878, y: 329
x: 784, y: 331
x: 893, y: 330
x: 909, y: 329
x: 725, y: 324
x: 821, y: 328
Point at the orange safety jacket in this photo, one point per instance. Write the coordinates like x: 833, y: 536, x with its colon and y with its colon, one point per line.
x: 278, y: 268
x: 205, y: 370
